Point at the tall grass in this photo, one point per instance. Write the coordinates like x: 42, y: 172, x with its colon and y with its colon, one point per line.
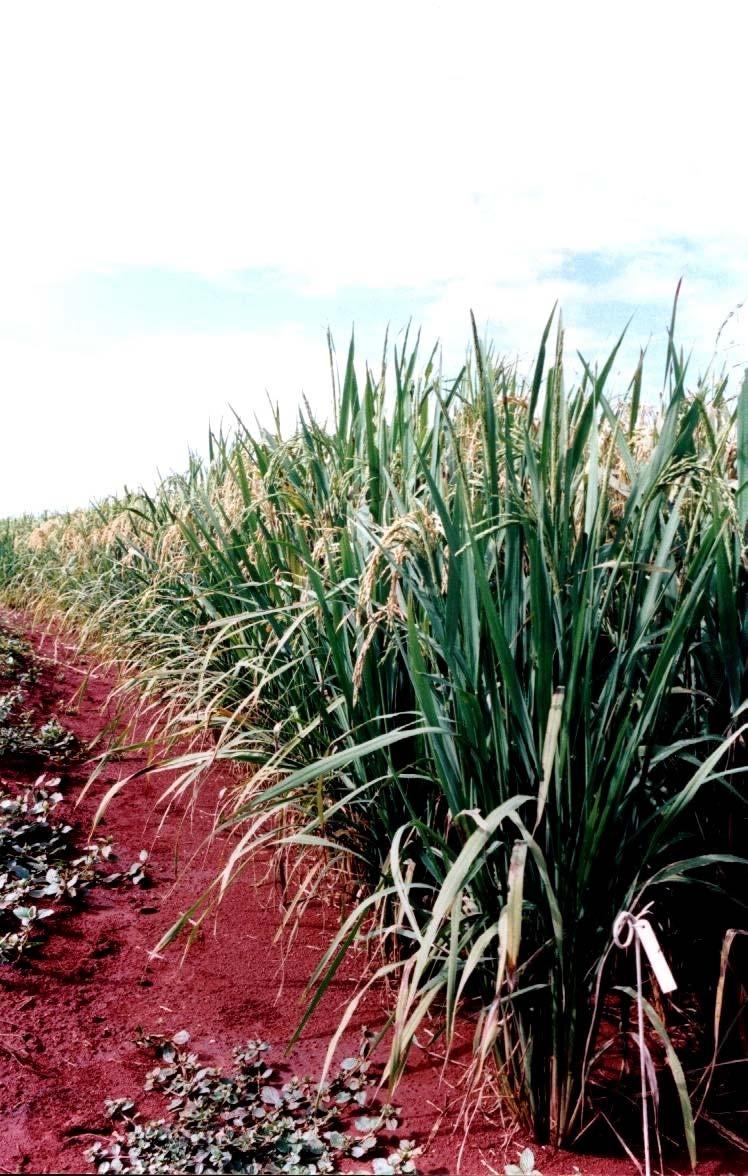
x: 484, y: 642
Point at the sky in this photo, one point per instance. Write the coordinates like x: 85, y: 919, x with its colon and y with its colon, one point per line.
x: 192, y: 194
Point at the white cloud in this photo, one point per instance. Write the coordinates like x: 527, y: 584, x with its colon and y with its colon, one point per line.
x: 462, y: 150
x: 82, y: 422
x: 397, y: 144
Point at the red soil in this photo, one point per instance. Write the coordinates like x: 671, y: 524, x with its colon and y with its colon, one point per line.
x: 68, y: 1019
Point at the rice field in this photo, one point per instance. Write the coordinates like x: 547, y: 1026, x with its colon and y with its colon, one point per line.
x: 477, y: 648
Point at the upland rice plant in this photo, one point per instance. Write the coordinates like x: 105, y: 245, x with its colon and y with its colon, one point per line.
x: 484, y: 642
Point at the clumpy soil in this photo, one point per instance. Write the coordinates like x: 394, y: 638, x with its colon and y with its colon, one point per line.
x: 69, y: 1016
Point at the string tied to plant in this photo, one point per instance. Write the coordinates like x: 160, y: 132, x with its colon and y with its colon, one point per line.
x: 628, y: 928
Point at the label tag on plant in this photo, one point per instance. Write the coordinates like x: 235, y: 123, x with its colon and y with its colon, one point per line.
x: 657, y: 961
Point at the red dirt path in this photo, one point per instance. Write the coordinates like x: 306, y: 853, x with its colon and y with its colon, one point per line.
x: 68, y: 1019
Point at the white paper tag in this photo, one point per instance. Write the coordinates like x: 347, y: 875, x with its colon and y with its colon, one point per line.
x: 657, y: 961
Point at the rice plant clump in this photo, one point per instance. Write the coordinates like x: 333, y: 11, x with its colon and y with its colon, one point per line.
x: 479, y: 648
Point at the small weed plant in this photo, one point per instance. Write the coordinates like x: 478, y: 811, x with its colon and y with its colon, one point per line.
x: 20, y: 736
x: 17, y: 661
x: 51, y: 743
x: 525, y: 1166
x: 250, y: 1121
x: 39, y: 865
x: 42, y: 869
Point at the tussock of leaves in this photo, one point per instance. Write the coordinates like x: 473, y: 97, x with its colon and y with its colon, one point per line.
x: 248, y: 1121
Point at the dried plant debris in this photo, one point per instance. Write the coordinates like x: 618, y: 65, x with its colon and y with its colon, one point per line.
x: 250, y: 1121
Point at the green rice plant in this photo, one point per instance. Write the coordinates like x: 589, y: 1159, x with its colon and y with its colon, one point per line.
x: 480, y: 646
